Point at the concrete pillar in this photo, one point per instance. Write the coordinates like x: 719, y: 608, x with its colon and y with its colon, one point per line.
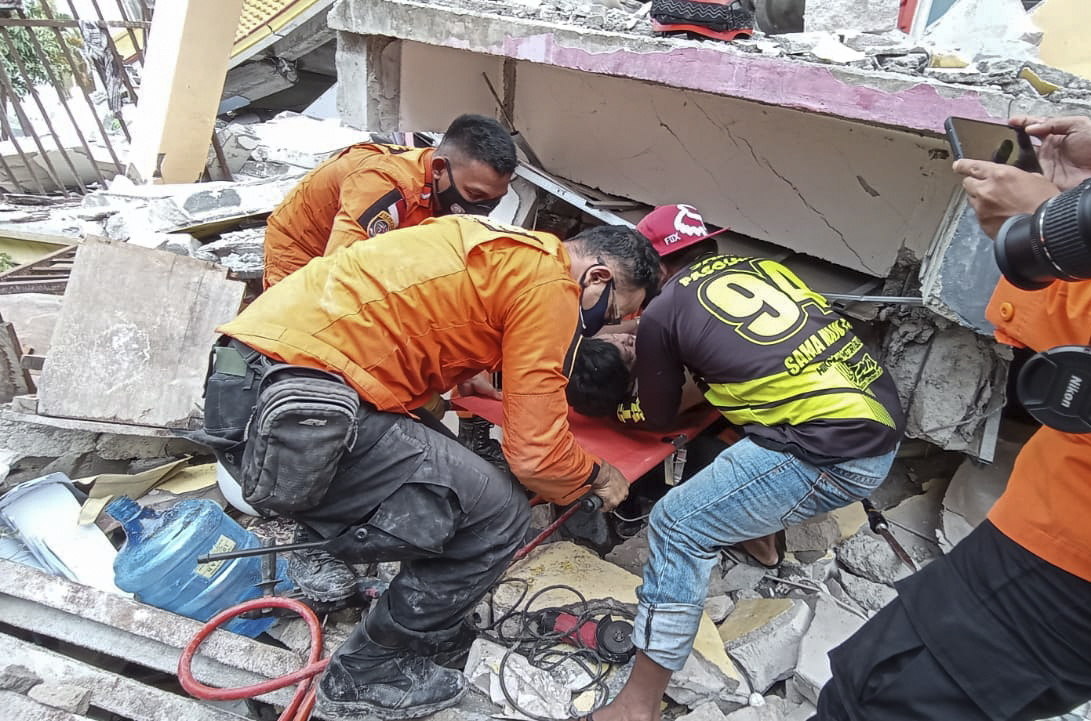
x: 369, y: 72
x: 184, y: 70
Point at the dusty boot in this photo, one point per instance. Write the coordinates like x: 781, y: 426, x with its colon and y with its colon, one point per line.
x: 474, y: 434
x: 318, y: 574
x: 453, y: 652
x: 381, y: 671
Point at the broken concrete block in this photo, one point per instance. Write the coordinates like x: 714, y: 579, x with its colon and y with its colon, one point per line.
x: 945, y: 375
x: 534, y: 689
x: 19, y: 679
x: 242, y: 252
x: 830, y: 626
x: 867, y: 594
x: 815, y: 569
x: 861, y: 15
x: 705, y: 712
x: 850, y: 519
x: 709, y: 674
x: 973, y: 490
x: 65, y: 696
x: 719, y: 607
x: 868, y: 555
x: 820, y: 533
x: 146, y: 331
x: 631, y: 554
x: 180, y: 244
x: 739, y: 577
x: 762, y: 637
x: 919, y: 517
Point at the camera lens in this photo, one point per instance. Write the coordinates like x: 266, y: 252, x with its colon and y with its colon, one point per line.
x: 1053, y: 244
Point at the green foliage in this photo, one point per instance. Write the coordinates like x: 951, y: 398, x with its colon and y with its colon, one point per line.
x: 6, y: 262
x: 35, y: 63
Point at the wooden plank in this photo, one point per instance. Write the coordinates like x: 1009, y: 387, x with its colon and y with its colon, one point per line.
x: 109, y: 691
x: 14, y: 379
x: 132, y: 341
x: 26, y: 709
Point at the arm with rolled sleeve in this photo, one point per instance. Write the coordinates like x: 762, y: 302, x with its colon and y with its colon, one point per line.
x: 539, y: 325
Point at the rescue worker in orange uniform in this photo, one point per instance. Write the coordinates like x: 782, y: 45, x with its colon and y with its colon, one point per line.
x: 369, y: 189
x: 999, y: 629
x: 411, y: 313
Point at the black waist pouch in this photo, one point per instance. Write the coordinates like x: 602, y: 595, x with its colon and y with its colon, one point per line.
x: 303, y: 422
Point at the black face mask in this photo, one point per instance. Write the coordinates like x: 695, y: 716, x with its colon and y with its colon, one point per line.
x: 595, y: 317
x: 451, y: 201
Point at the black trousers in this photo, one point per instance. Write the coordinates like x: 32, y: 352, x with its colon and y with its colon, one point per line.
x: 989, y: 632
x: 451, y: 518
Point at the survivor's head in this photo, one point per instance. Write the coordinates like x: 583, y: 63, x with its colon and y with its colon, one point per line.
x: 618, y: 273
x: 472, y: 166
x: 601, y: 374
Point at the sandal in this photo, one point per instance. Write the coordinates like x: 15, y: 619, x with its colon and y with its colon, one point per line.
x: 779, y: 542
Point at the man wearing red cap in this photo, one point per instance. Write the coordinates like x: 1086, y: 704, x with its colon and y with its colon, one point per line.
x: 819, y: 415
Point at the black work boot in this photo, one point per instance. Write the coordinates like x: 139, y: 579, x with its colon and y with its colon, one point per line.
x: 318, y: 573
x: 474, y: 434
x: 381, y: 670
x: 453, y: 652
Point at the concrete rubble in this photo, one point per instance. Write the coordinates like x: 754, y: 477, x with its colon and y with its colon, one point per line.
x: 67, y: 697
x: 831, y: 625
x: 763, y: 637
x: 976, y: 37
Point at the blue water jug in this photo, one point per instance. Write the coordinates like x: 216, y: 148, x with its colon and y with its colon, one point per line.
x: 158, y: 561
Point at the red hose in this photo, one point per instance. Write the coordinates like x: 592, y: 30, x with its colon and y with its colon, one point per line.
x: 302, y: 703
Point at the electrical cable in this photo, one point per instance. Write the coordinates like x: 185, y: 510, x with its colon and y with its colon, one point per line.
x: 302, y: 703
x: 538, y: 645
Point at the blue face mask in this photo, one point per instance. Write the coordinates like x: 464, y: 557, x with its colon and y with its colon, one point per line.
x: 594, y: 318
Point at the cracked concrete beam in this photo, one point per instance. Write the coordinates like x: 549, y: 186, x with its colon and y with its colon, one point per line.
x: 887, y: 98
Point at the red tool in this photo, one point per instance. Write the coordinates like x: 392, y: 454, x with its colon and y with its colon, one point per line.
x: 611, y: 639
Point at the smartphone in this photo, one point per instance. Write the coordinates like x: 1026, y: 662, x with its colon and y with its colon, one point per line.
x: 995, y: 142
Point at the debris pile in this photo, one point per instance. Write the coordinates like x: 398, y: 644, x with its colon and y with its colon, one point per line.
x: 984, y: 43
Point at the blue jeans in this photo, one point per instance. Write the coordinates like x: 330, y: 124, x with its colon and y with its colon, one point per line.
x: 746, y: 492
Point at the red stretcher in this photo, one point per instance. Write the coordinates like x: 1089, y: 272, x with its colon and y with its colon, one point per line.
x: 632, y: 451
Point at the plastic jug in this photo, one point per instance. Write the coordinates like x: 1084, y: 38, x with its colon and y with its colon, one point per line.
x: 158, y: 561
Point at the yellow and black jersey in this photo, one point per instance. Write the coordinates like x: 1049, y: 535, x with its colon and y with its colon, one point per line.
x: 771, y: 355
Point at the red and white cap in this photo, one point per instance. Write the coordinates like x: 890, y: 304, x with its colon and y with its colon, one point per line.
x: 671, y: 228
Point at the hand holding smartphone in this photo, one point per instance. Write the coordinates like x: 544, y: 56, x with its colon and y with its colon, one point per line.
x: 994, y: 142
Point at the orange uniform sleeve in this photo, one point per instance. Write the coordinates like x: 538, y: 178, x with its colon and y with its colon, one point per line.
x: 372, y: 202
x: 538, y: 444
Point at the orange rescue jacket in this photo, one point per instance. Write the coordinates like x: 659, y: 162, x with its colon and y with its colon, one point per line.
x: 362, y: 191
x: 418, y: 310
x: 1047, y: 503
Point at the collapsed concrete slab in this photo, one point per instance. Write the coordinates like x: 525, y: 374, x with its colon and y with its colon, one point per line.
x: 135, y: 350
x: 763, y: 637
x: 709, y: 675
x: 830, y: 626
x: 869, y: 556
